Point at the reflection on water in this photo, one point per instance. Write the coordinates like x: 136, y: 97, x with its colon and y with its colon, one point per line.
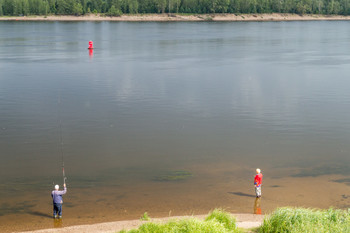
x: 257, y: 205
x: 213, y: 99
x: 57, y: 223
x: 91, y: 53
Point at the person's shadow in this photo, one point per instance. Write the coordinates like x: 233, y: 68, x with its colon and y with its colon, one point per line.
x: 241, y: 194
x: 37, y: 213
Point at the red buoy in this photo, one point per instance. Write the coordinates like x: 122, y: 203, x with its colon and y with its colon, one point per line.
x: 91, y: 45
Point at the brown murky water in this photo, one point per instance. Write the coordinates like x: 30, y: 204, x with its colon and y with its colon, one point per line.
x: 171, y: 118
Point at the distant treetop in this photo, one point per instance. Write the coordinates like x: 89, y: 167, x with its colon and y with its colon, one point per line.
x: 118, y: 7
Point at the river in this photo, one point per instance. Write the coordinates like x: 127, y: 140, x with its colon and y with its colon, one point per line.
x: 171, y: 118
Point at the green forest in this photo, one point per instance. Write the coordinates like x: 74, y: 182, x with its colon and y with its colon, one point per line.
x: 119, y: 7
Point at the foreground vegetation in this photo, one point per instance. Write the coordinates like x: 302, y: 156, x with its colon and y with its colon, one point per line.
x: 217, y: 221
x: 292, y: 220
x: 307, y: 220
x: 118, y: 7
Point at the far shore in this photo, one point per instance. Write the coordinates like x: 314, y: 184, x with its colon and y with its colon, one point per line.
x: 245, y: 221
x: 180, y: 17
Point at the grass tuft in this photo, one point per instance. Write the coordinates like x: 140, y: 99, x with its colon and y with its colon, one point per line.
x: 217, y: 221
x: 145, y: 217
x: 224, y: 218
x: 295, y: 220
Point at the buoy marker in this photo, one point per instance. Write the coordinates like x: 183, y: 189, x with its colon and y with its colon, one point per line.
x: 91, y: 46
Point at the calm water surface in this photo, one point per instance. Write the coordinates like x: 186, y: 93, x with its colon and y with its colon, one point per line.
x: 215, y: 100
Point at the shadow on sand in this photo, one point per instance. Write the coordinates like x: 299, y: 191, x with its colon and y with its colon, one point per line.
x: 242, y: 194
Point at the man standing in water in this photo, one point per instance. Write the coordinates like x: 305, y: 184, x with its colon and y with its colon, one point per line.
x: 57, y: 200
x: 257, y: 182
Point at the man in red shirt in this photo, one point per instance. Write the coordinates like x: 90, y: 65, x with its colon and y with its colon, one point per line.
x: 257, y: 182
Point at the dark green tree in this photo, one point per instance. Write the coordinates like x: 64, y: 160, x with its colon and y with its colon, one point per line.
x: 1, y: 12
x: 52, y: 6
x: 44, y: 8
x: 345, y: 7
x: 176, y: 5
x: 25, y: 7
x: 113, y: 11
x: 17, y: 7
x: 147, y: 6
x: 222, y: 6
x: 77, y: 8
x: 289, y: 6
x: 234, y: 6
x: 161, y: 5
x: 276, y: 6
x: 128, y: 6
x: 95, y: 5
x: 8, y: 7
x: 65, y: 7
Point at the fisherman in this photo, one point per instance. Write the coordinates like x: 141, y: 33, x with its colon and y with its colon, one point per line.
x: 257, y: 182
x: 57, y: 200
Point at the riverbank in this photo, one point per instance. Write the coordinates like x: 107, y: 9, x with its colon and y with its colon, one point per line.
x: 180, y: 17
x: 245, y: 221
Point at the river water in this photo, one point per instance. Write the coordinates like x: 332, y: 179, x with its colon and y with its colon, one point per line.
x: 171, y: 118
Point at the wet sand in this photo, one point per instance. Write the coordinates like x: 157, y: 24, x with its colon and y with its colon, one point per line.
x: 180, y: 17
x: 243, y: 221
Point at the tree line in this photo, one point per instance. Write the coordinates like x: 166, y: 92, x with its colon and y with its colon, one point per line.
x: 118, y: 7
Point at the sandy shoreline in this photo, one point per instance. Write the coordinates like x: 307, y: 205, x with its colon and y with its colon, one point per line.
x: 181, y: 18
x: 243, y: 221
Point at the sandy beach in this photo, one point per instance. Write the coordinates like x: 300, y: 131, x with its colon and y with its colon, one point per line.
x: 181, y: 17
x: 243, y: 221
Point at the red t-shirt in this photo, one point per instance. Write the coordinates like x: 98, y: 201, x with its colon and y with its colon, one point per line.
x: 258, y: 179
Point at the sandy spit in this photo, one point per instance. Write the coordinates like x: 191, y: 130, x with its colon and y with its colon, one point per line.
x: 243, y: 221
x: 180, y: 17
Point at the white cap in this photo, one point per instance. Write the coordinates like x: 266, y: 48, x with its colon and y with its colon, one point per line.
x: 57, y: 187
x: 258, y: 170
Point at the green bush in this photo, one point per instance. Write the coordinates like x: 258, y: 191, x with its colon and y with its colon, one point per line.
x: 295, y: 220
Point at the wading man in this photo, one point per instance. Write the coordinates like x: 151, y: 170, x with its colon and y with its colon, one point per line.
x: 57, y: 200
x: 257, y: 182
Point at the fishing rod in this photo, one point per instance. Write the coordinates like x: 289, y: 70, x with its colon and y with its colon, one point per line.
x: 63, y: 174
x: 61, y: 139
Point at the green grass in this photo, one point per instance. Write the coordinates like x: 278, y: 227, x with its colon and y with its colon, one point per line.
x: 145, y: 217
x: 295, y: 220
x: 217, y: 221
x: 287, y: 219
x: 228, y: 221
